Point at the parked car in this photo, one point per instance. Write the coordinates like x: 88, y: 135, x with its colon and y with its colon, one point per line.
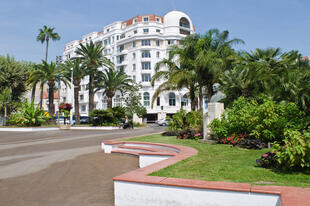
x: 62, y: 120
x: 162, y: 122
x: 84, y: 120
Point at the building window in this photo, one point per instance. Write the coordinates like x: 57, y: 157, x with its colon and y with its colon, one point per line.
x: 64, y: 99
x: 184, y: 22
x: 117, y: 101
x: 146, y: 77
x: 157, y: 19
x: 83, y: 108
x: 134, y: 78
x: 120, y: 48
x: 184, y: 101
x: 117, y: 37
x: 146, y: 42
x: 105, y: 102
x: 157, y: 42
x: 170, y: 42
x: 134, y: 44
x: 135, y: 31
x: 134, y: 55
x: 171, y: 99
x: 122, y: 36
x: 134, y: 67
x: 158, y: 101
x: 146, y: 99
x: 145, y: 19
x: 157, y: 54
x: 145, y: 30
x: 146, y: 54
x: 81, y: 97
x: 146, y: 65
x: 135, y: 20
x: 158, y: 30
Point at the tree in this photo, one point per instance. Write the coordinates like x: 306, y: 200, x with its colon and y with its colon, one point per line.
x: 133, y: 104
x: 45, y: 34
x: 13, y: 75
x: 179, y: 73
x: 79, y: 71
x: 49, y: 73
x: 91, y: 56
x: 214, y: 55
x: 5, y: 98
x: 112, y: 80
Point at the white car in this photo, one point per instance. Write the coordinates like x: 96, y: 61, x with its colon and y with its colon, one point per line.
x: 162, y: 122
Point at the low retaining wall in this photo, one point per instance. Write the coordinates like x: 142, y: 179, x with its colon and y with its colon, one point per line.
x: 94, y: 128
x: 136, y: 188
x: 24, y: 129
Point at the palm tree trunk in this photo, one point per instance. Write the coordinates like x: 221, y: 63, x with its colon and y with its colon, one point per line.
x: 51, y: 86
x: 200, y: 98
x: 210, y: 92
x: 41, y: 96
x: 192, y: 98
x: 33, y: 93
x: 46, y: 53
x: 109, y: 101
x: 76, y: 102
x: 91, y: 94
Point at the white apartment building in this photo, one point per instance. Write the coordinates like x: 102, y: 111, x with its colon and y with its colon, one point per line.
x: 135, y: 46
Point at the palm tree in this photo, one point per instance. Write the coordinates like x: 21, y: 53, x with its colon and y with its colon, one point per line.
x: 214, y: 56
x: 45, y: 34
x: 180, y: 73
x: 79, y: 71
x: 49, y: 73
x: 175, y: 78
x: 91, y: 56
x: 112, y: 80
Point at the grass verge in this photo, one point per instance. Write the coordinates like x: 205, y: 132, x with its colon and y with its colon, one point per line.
x: 218, y: 162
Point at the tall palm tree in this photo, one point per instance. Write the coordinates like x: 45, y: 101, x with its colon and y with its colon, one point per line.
x: 79, y: 71
x: 175, y: 78
x: 45, y: 34
x: 49, y: 73
x: 91, y: 55
x: 112, y: 80
x: 179, y: 73
x: 214, y: 56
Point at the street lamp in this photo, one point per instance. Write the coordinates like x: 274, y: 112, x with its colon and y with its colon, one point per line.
x: 71, y: 96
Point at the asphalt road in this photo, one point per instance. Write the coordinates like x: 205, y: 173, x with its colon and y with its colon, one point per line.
x: 61, y: 167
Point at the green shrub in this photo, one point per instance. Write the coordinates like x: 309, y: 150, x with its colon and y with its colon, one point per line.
x: 118, y: 113
x: 101, y: 117
x: 294, y: 152
x: 108, y: 117
x: 29, y: 115
x: 187, y: 125
x: 265, y: 121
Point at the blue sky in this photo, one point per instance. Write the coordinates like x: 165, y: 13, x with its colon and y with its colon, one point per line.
x: 260, y: 23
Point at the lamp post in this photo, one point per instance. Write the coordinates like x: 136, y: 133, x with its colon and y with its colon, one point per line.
x: 58, y: 61
x: 205, y: 118
x: 71, y: 96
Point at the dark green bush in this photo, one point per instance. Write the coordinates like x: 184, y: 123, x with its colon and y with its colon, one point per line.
x: 266, y: 121
x: 108, y: 117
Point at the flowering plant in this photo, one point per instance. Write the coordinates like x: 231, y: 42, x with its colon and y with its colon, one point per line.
x: 65, y: 106
x: 267, y: 159
x: 234, y: 139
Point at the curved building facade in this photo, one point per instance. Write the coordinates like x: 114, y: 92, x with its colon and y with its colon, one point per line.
x: 135, y: 46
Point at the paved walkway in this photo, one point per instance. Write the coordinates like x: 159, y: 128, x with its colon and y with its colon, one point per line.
x: 61, y: 167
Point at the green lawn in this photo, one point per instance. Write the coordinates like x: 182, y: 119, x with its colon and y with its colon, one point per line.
x: 217, y: 162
